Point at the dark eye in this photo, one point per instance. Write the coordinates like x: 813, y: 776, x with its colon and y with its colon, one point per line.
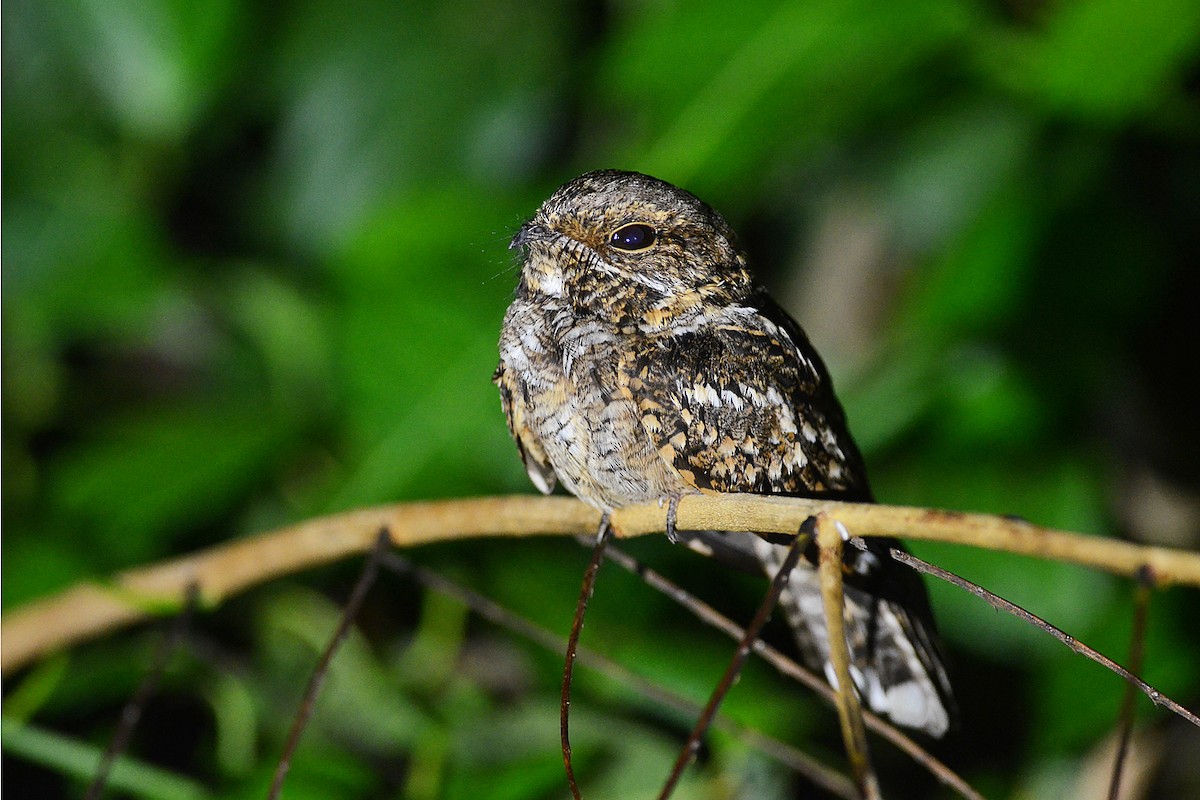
x: 632, y: 237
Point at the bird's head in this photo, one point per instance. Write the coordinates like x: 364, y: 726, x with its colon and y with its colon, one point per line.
x: 632, y: 249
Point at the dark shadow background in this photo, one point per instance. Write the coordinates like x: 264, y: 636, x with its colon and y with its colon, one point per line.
x: 254, y: 267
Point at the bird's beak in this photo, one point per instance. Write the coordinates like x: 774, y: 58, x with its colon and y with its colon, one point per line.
x: 529, y: 232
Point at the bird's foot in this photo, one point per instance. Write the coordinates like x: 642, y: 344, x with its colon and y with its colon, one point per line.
x: 672, y: 512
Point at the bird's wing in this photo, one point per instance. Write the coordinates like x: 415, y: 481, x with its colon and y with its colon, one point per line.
x: 742, y: 406
x: 745, y: 405
x: 541, y: 473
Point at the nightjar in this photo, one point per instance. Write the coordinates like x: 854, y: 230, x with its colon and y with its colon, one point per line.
x: 639, y: 360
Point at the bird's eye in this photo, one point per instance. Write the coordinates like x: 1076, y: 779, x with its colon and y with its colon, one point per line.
x: 632, y: 237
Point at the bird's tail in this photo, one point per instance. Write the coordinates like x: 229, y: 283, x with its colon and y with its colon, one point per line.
x: 894, y: 656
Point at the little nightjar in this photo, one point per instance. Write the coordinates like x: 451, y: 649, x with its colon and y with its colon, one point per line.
x: 639, y: 360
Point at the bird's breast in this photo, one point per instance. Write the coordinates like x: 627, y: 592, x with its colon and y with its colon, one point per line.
x: 571, y: 380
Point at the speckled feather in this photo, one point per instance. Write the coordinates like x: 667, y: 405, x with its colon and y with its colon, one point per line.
x: 739, y: 406
x: 634, y: 374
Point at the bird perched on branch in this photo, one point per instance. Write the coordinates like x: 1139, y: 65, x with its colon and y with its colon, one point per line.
x: 640, y: 361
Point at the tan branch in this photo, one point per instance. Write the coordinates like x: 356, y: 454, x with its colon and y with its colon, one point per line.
x: 854, y: 736
x: 746, y: 512
x: 92, y: 609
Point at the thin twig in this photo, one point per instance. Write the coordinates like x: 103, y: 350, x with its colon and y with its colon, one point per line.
x: 1070, y: 641
x: 829, y: 569
x: 585, y: 594
x: 715, y: 619
x: 309, y: 701
x: 745, y: 645
x: 131, y: 714
x: 1137, y: 646
x: 788, y: 667
x: 787, y: 755
x: 92, y: 609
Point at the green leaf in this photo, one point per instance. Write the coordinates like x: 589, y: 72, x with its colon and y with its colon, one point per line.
x: 155, y: 64
x: 1104, y: 60
x: 81, y: 761
x: 137, y: 479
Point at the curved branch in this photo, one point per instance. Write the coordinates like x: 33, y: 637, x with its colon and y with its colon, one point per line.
x: 92, y: 609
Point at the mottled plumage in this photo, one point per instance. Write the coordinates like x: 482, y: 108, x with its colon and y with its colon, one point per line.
x: 640, y: 361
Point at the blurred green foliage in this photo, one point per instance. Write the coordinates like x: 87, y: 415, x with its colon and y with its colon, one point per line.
x: 254, y: 269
